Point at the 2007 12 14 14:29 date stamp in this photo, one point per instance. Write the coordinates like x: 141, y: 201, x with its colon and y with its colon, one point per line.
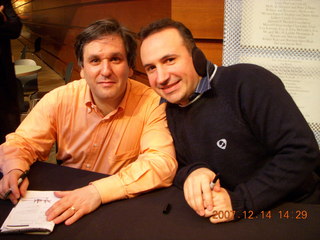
x: 280, y: 214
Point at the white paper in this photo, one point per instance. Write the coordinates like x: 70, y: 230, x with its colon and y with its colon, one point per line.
x: 281, y: 24
x: 301, y: 79
x: 29, y: 213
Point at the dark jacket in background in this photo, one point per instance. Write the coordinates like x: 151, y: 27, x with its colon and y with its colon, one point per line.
x: 9, y: 108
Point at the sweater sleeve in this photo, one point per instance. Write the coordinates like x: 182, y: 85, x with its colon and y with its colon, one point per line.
x: 277, y: 123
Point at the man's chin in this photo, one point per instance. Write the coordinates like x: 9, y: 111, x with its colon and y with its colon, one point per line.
x: 171, y: 99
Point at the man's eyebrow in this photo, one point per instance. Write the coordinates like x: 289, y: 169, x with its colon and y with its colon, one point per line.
x: 161, y: 59
x: 115, y: 54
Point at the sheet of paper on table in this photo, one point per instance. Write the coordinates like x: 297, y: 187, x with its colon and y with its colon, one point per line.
x: 28, y: 216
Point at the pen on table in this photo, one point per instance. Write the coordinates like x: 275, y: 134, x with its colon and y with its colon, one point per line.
x: 166, y: 208
x: 214, y: 180
x: 20, y: 180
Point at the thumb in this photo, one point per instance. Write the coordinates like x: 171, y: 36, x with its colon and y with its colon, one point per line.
x: 217, y: 186
x: 61, y: 194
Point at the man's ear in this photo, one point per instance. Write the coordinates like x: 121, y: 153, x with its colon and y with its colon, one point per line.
x: 81, y: 73
x: 199, y: 62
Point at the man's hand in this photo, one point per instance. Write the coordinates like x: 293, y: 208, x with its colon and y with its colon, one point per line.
x: 197, y: 191
x: 222, y: 208
x: 2, y: 13
x: 74, y: 204
x: 10, y: 181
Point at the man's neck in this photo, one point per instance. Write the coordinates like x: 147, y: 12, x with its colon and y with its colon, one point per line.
x: 108, y: 105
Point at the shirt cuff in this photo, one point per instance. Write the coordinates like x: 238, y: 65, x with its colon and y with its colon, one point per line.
x: 110, y: 188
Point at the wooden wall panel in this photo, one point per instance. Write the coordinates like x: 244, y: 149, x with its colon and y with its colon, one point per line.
x: 58, y: 23
x: 205, y: 20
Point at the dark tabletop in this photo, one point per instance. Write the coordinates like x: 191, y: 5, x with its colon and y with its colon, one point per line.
x: 143, y: 217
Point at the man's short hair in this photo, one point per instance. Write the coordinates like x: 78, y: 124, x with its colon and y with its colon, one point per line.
x: 166, y: 23
x: 101, y: 28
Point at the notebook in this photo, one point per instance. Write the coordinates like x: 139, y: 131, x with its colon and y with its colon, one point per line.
x: 28, y: 216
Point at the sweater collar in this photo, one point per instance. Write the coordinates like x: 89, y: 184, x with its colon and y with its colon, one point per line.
x: 203, y: 85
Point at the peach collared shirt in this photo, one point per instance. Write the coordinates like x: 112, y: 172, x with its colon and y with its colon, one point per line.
x: 131, y: 143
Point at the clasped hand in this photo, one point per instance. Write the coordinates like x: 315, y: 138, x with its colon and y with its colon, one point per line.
x: 205, y: 201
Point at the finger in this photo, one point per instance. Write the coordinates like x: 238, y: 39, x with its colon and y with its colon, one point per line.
x: 61, y: 194
x: 68, y: 213
x: 15, y: 192
x: 76, y: 216
x: 56, y: 209
x: 4, y: 188
x: 24, y: 186
x: 208, y: 213
x: 198, y: 199
x: 187, y: 194
x: 207, y: 196
x: 190, y: 195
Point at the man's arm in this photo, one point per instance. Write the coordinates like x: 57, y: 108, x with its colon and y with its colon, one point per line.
x: 32, y: 140
x: 154, y: 168
x: 278, y: 124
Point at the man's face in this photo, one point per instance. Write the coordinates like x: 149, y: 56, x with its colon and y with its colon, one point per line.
x: 106, y: 69
x: 169, y: 66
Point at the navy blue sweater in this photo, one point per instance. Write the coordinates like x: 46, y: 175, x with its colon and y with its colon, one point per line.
x: 248, y: 129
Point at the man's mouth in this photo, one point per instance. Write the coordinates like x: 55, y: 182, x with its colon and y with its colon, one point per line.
x: 106, y: 83
x: 168, y: 88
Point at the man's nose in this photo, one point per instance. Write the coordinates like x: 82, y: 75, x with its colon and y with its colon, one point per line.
x: 163, y: 75
x: 106, y: 68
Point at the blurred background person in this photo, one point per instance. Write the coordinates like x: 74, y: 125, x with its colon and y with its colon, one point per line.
x: 10, y: 28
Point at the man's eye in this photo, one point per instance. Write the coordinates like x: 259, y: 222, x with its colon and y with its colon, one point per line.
x: 150, y: 69
x: 94, y: 60
x: 115, y: 60
x: 170, y: 60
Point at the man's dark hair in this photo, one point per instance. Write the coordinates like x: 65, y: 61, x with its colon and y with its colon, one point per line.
x: 101, y: 28
x: 165, y: 23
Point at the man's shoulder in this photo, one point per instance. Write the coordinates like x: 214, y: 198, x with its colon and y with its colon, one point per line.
x: 245, y: 75
x: 73, y: 89
x: 74, y: 86
x: 141, y: 89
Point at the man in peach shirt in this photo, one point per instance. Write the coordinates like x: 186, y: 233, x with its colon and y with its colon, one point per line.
x: 104, y: 122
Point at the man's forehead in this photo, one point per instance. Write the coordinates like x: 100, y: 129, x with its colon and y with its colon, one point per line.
x: 99, y: 44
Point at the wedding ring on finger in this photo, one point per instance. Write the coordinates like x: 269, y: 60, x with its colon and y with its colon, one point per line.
x: 73, y: 209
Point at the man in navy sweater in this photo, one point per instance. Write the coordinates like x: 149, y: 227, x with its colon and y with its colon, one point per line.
x: 238, y: 121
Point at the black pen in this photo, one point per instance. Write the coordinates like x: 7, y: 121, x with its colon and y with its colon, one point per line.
x: 214, y: 180
x: 20, y: 180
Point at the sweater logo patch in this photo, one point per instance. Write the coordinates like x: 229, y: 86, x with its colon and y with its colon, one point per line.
x: 222, y: 143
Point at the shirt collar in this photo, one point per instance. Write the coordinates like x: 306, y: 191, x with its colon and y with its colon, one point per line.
x: 203, y: 85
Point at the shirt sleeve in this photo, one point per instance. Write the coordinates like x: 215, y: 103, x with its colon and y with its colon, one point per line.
x: 155, y: 166
x: 33, y: 139
x: 11, y: 28
x: 277, y: 123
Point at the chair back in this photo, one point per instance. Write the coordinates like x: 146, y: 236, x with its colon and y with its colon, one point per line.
x: 37, y: 45
x: 30, y: 82
x: 68, y: 74
x: 25, y: 61
x: 23, y: 52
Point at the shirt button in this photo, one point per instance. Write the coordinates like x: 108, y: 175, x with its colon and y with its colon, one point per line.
x: 95, y: 145
x: 88, y: 165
